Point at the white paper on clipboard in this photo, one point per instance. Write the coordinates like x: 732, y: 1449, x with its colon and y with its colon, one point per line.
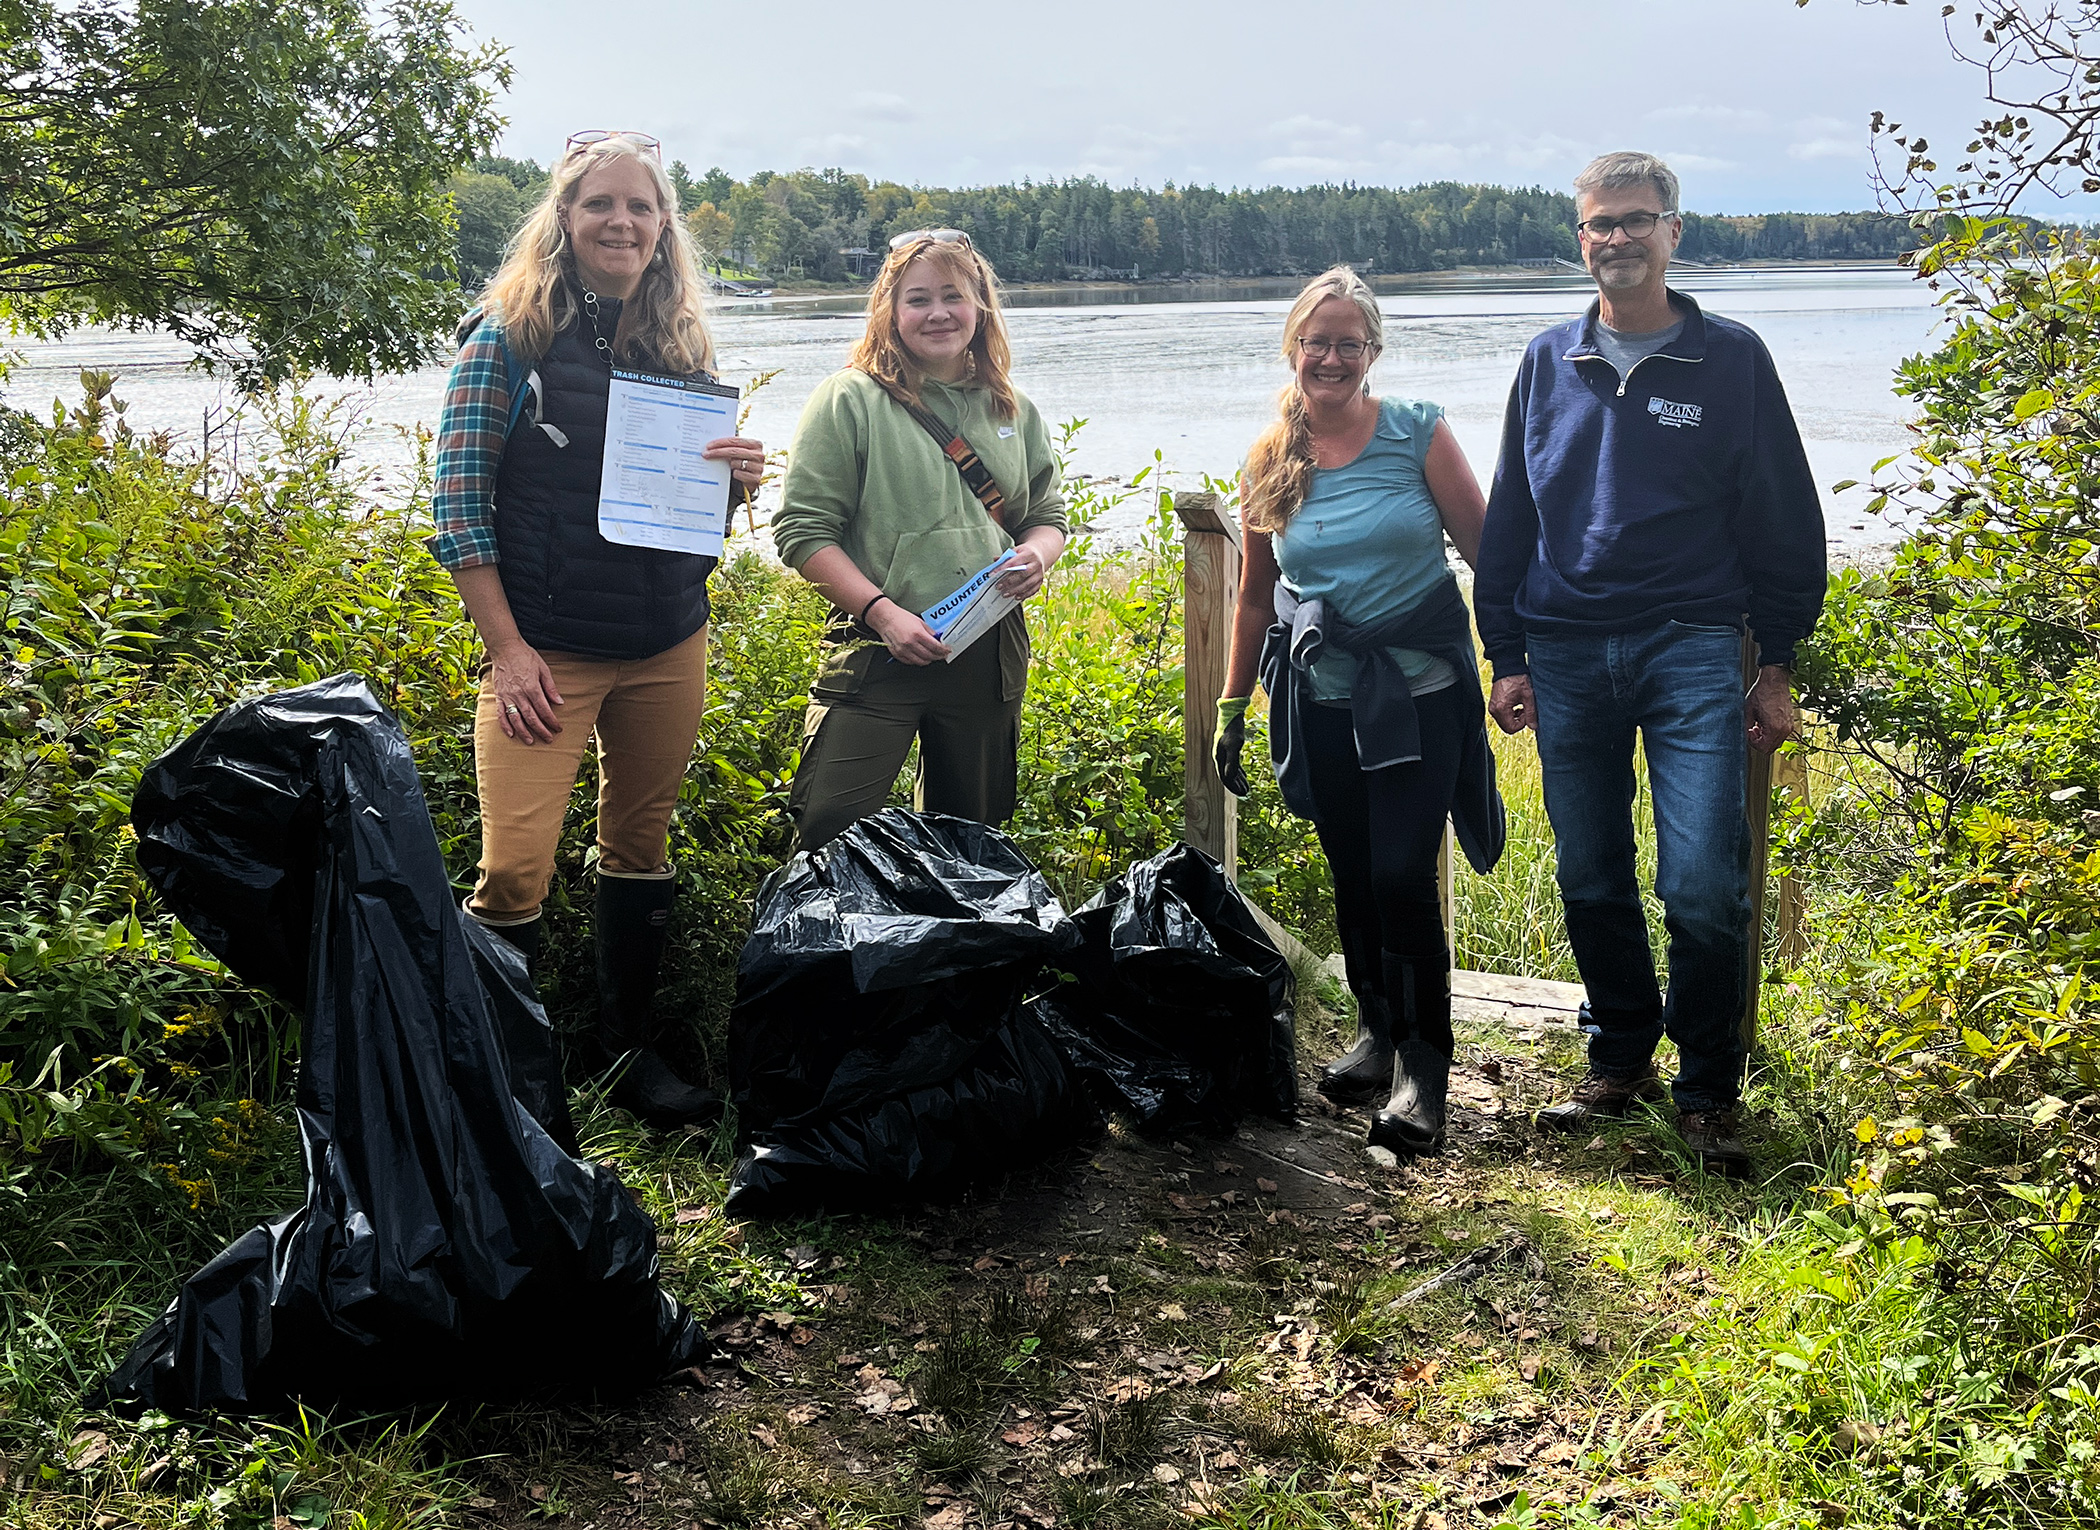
x: 973, y: 609
x: 657, y: 489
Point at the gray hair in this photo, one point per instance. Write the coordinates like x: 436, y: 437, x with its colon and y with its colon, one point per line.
x: 1616, y: 172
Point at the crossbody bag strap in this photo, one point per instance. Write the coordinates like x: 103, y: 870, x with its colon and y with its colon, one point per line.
x: 975, y: 475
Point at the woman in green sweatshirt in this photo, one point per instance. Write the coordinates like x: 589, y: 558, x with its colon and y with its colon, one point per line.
x: 877, y: 514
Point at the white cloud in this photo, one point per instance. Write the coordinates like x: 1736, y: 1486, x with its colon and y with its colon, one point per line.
x: 1737, y: 118
x: 1681, y: 161
x: 1308, y: 168
x: 882, y: 106
x: 1827, y: 148
x: 1313, y: 136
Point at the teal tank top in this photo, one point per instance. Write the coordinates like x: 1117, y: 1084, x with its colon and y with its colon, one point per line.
x: 1369, y: 541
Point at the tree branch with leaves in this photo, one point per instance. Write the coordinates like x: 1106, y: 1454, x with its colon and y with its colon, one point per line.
x: 264, y: 178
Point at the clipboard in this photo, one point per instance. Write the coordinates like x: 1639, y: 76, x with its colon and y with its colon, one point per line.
x: 657, y: 489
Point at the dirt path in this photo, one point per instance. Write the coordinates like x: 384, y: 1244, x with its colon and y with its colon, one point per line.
x: 1166, y: 1332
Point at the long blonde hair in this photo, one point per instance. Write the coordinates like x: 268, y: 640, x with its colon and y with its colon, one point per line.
x: 662, y: 325
x: 882, y: 353
x: 1280, y: 464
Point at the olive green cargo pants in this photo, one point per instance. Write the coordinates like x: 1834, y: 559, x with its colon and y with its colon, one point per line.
x: 866, y: 708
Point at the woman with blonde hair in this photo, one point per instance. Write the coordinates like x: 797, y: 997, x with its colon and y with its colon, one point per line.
x: 913, y: 469
x: 1376, y: 723
x: 583, y: 638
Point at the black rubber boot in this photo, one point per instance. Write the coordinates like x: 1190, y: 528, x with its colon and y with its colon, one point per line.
x: 523, y: 938
x: 633, y: 918
x: 1413, y: 1119
x: 1363, y: 1073
x: 526, y: 938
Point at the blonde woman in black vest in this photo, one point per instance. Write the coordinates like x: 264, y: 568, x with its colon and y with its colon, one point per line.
x: 586, y: 639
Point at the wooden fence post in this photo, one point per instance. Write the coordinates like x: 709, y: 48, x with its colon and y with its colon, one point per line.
x: 1757, y: 807
x: 1790, y: 775
x: 1210, y: 566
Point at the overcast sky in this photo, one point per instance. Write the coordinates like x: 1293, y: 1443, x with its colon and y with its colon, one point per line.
x: 1760, y: 105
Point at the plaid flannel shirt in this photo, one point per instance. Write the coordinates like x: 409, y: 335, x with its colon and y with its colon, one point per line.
x: 470, y: 444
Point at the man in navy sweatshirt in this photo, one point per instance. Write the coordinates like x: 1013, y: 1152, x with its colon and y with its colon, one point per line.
x: 1652, y: 496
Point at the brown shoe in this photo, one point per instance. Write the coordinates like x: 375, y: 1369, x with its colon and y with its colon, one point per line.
x: 1713, y: 1136
x: 1600, y: 1096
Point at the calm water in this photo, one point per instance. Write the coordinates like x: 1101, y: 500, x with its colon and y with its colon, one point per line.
x: 1190, y: 371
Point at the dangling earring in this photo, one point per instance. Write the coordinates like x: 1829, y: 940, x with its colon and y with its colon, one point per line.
x: 971, y: 375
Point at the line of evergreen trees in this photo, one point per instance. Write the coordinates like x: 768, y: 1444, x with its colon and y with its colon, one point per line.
x: 804, y: 222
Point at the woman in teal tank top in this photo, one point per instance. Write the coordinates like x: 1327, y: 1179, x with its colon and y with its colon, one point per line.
x: 1366, y: 651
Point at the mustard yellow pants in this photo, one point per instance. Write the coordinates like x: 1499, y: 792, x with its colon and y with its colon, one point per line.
x: 644, y: 715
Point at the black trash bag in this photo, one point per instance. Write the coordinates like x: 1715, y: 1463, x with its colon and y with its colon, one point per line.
x: 879, y: 1050
x: 448, y: 1247
x: 1182, y: 1014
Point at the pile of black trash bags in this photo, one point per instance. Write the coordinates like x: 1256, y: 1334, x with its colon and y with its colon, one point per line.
x: 448, y: 1245
x: 915, y: 1013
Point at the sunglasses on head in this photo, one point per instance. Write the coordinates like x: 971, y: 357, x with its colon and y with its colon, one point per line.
x: 932, y: 236
x: 578, y: 142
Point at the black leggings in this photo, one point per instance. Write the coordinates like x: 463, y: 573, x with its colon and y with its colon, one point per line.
x: 1382, y: 830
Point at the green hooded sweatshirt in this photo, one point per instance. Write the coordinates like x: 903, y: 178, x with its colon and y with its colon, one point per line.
x: 863, y: 475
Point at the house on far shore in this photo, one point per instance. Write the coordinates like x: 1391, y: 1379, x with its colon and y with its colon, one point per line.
x: 861, y: 262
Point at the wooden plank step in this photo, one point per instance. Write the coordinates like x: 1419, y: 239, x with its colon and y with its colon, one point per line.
x: 1500, y: 999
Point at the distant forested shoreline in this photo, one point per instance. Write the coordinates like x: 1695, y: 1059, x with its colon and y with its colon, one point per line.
x: 809, y: 224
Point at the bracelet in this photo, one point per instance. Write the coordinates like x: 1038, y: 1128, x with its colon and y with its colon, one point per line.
x: 864, y: 610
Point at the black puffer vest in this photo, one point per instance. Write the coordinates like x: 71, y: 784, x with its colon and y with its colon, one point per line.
x: 570, y: 590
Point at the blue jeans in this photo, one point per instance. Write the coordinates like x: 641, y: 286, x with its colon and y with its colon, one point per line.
x: 1682, y: 687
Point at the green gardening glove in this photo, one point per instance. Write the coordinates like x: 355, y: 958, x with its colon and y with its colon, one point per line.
x: 1229, y: 741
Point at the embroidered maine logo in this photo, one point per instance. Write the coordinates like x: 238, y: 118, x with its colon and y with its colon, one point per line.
x: 1675, y: 415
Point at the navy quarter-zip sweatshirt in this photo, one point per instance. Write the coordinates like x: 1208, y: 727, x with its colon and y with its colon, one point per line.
x: 1680, y: 493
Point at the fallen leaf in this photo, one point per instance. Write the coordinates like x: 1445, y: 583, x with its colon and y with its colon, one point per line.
x: 801, y: 1334
x: 1594, y: 1145
x: 87, y: 1448
x: 1059, y: 1434
x: 1165, y: 1475
x: 691, y: 1214
x: 765, y: 1436
x: 1173, y: 1313
x: 1528, y: 1367
x: 1423, y: 1371
x: 984, y: 1262
x: 1857, y: 1437
x: 1021, y: 1436
x: 805, y: 1413
x: 1265, y: 1186
x: 954, y: 1517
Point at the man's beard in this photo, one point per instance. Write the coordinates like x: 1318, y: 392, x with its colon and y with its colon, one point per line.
x: 1623, y: 272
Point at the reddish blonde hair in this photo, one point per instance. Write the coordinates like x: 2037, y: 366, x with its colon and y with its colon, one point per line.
x: 882, y: 353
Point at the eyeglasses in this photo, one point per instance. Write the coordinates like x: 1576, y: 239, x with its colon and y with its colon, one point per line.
x: 1348, y: 350
x: 1637, y: 225
x: 932, y: 236
x: 578, y: 142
